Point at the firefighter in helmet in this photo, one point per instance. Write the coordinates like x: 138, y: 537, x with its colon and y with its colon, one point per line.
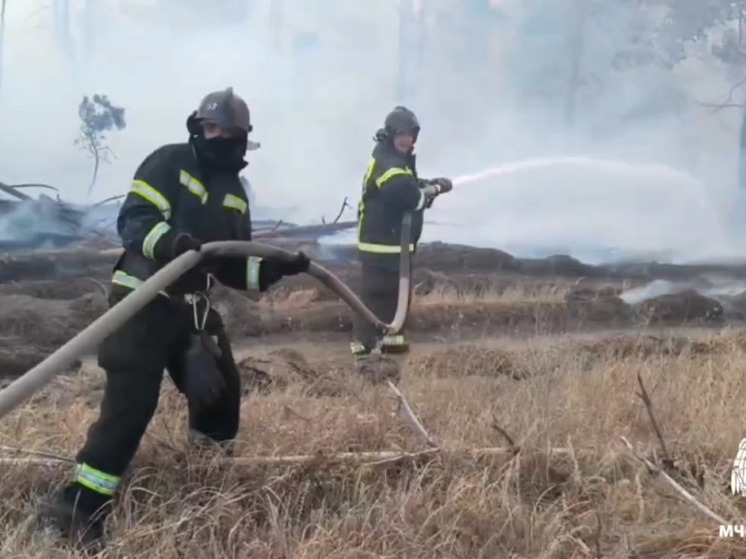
x: 391, y: 188
x: 182, y: 195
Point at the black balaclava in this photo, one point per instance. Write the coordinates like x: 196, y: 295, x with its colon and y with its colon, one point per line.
x: 219, y: 154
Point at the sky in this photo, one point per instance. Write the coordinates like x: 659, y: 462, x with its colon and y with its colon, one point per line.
x: 320, y: 77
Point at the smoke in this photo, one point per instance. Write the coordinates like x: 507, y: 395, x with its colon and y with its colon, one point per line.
x: 30, y: 223
x: 629, y: 165
x: 722, y: 289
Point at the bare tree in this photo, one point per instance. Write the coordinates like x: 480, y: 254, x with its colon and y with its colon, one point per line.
x: 97, y: 117
x: 2, y: 38
x: 577, y: 26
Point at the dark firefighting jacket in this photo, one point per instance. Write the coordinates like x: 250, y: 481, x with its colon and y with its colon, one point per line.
x: 170, y: 195
x: 390, y: 189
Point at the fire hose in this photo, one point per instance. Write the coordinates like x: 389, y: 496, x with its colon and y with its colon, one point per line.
x: 36, y: 378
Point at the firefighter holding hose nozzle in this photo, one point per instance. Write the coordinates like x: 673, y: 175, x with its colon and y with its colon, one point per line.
x: 391, y: 188
x: 182, y: 195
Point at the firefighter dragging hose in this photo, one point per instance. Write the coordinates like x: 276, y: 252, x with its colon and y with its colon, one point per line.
x: 184, y: 225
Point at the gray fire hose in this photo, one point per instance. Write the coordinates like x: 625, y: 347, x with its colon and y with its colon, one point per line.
x: 25, y: 386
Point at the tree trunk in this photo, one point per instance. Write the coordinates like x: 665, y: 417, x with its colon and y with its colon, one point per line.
x: 577, y: 26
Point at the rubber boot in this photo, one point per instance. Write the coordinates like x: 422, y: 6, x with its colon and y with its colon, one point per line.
x: 201, y: 441
x: 78, y: 515
x: 394, y: 345
x: 376, y: 368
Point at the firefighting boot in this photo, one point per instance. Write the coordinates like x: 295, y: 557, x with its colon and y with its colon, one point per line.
x: 78, y: 515
x: 376, y: 368
x: 202, y: 442
x: 394, y: 345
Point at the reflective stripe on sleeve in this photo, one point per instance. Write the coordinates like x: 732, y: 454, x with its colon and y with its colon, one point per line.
x: 147, y: 192
x: 235, y: 203
x: 422, y: 201
x: 390, y: 174
x: 155, y: 234
x: 253, y: 265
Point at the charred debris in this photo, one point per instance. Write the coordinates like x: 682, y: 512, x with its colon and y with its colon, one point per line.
x: 49, y: 223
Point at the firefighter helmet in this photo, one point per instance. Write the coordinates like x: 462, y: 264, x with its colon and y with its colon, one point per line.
x: 401, y: 119
x: 225, y: 109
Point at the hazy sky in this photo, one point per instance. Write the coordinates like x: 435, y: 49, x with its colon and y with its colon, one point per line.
x: 315, y: 113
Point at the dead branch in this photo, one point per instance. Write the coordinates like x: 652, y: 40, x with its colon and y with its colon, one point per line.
x: 666, y: 461
x: 728, y: 103
x: 360, y: 458
x: 294, y: 413
x: 411, y: 417
x: 11, y: 190
x: 598, y: 534
x: 504, y: 434
x: 345, y: 205
x: 37, y: 453
x: 683, y: 492
x: 717, y: 107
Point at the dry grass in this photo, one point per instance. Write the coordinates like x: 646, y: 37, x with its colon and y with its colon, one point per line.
x: 596, y: 502
x: 442, y: 294
x: 510, y: 295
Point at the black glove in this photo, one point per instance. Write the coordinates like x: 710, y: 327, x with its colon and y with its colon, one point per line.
x: 183, y: 243
x: 445, y: 185
x: 203, y: 380
x: 298, y: 265
x: 430, y: 190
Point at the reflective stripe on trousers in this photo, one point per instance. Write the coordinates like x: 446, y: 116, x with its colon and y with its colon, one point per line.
x: 381, y: 249
x: 393, y: 341
x: 358, y: 348
x: 96, y: 480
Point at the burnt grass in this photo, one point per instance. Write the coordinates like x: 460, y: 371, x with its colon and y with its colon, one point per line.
x: 460, y: 293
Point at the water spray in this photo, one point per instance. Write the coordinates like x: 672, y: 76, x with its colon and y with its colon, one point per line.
x: 539, y: 163
x: 669, y: 200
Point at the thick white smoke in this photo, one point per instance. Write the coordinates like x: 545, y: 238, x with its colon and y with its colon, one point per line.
x: 650, y: 170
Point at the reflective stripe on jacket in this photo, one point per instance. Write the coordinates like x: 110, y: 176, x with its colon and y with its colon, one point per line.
x: 390, y: 189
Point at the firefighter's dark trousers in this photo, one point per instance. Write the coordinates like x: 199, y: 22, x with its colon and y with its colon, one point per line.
x: 134, y: 358
x: 379, y: 291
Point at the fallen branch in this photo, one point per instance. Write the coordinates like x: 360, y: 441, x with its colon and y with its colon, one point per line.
x: 505, y: 435
x: 728, y: 102
x: 412, y: 418
x: 37, y: 453
x: 345, y: 205
x: 667, y: 461
x: 683, y: 492
x: 361, y: 458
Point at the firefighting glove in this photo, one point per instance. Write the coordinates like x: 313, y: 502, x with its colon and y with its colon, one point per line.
x: 297, y: 265
x: 203, y: 380
x: 444, y: 185
x: 430, y: 192
x: 182, y: 243
x: 173, y: 246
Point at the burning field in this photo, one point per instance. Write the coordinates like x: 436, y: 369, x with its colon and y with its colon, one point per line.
x: 527, y: 377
